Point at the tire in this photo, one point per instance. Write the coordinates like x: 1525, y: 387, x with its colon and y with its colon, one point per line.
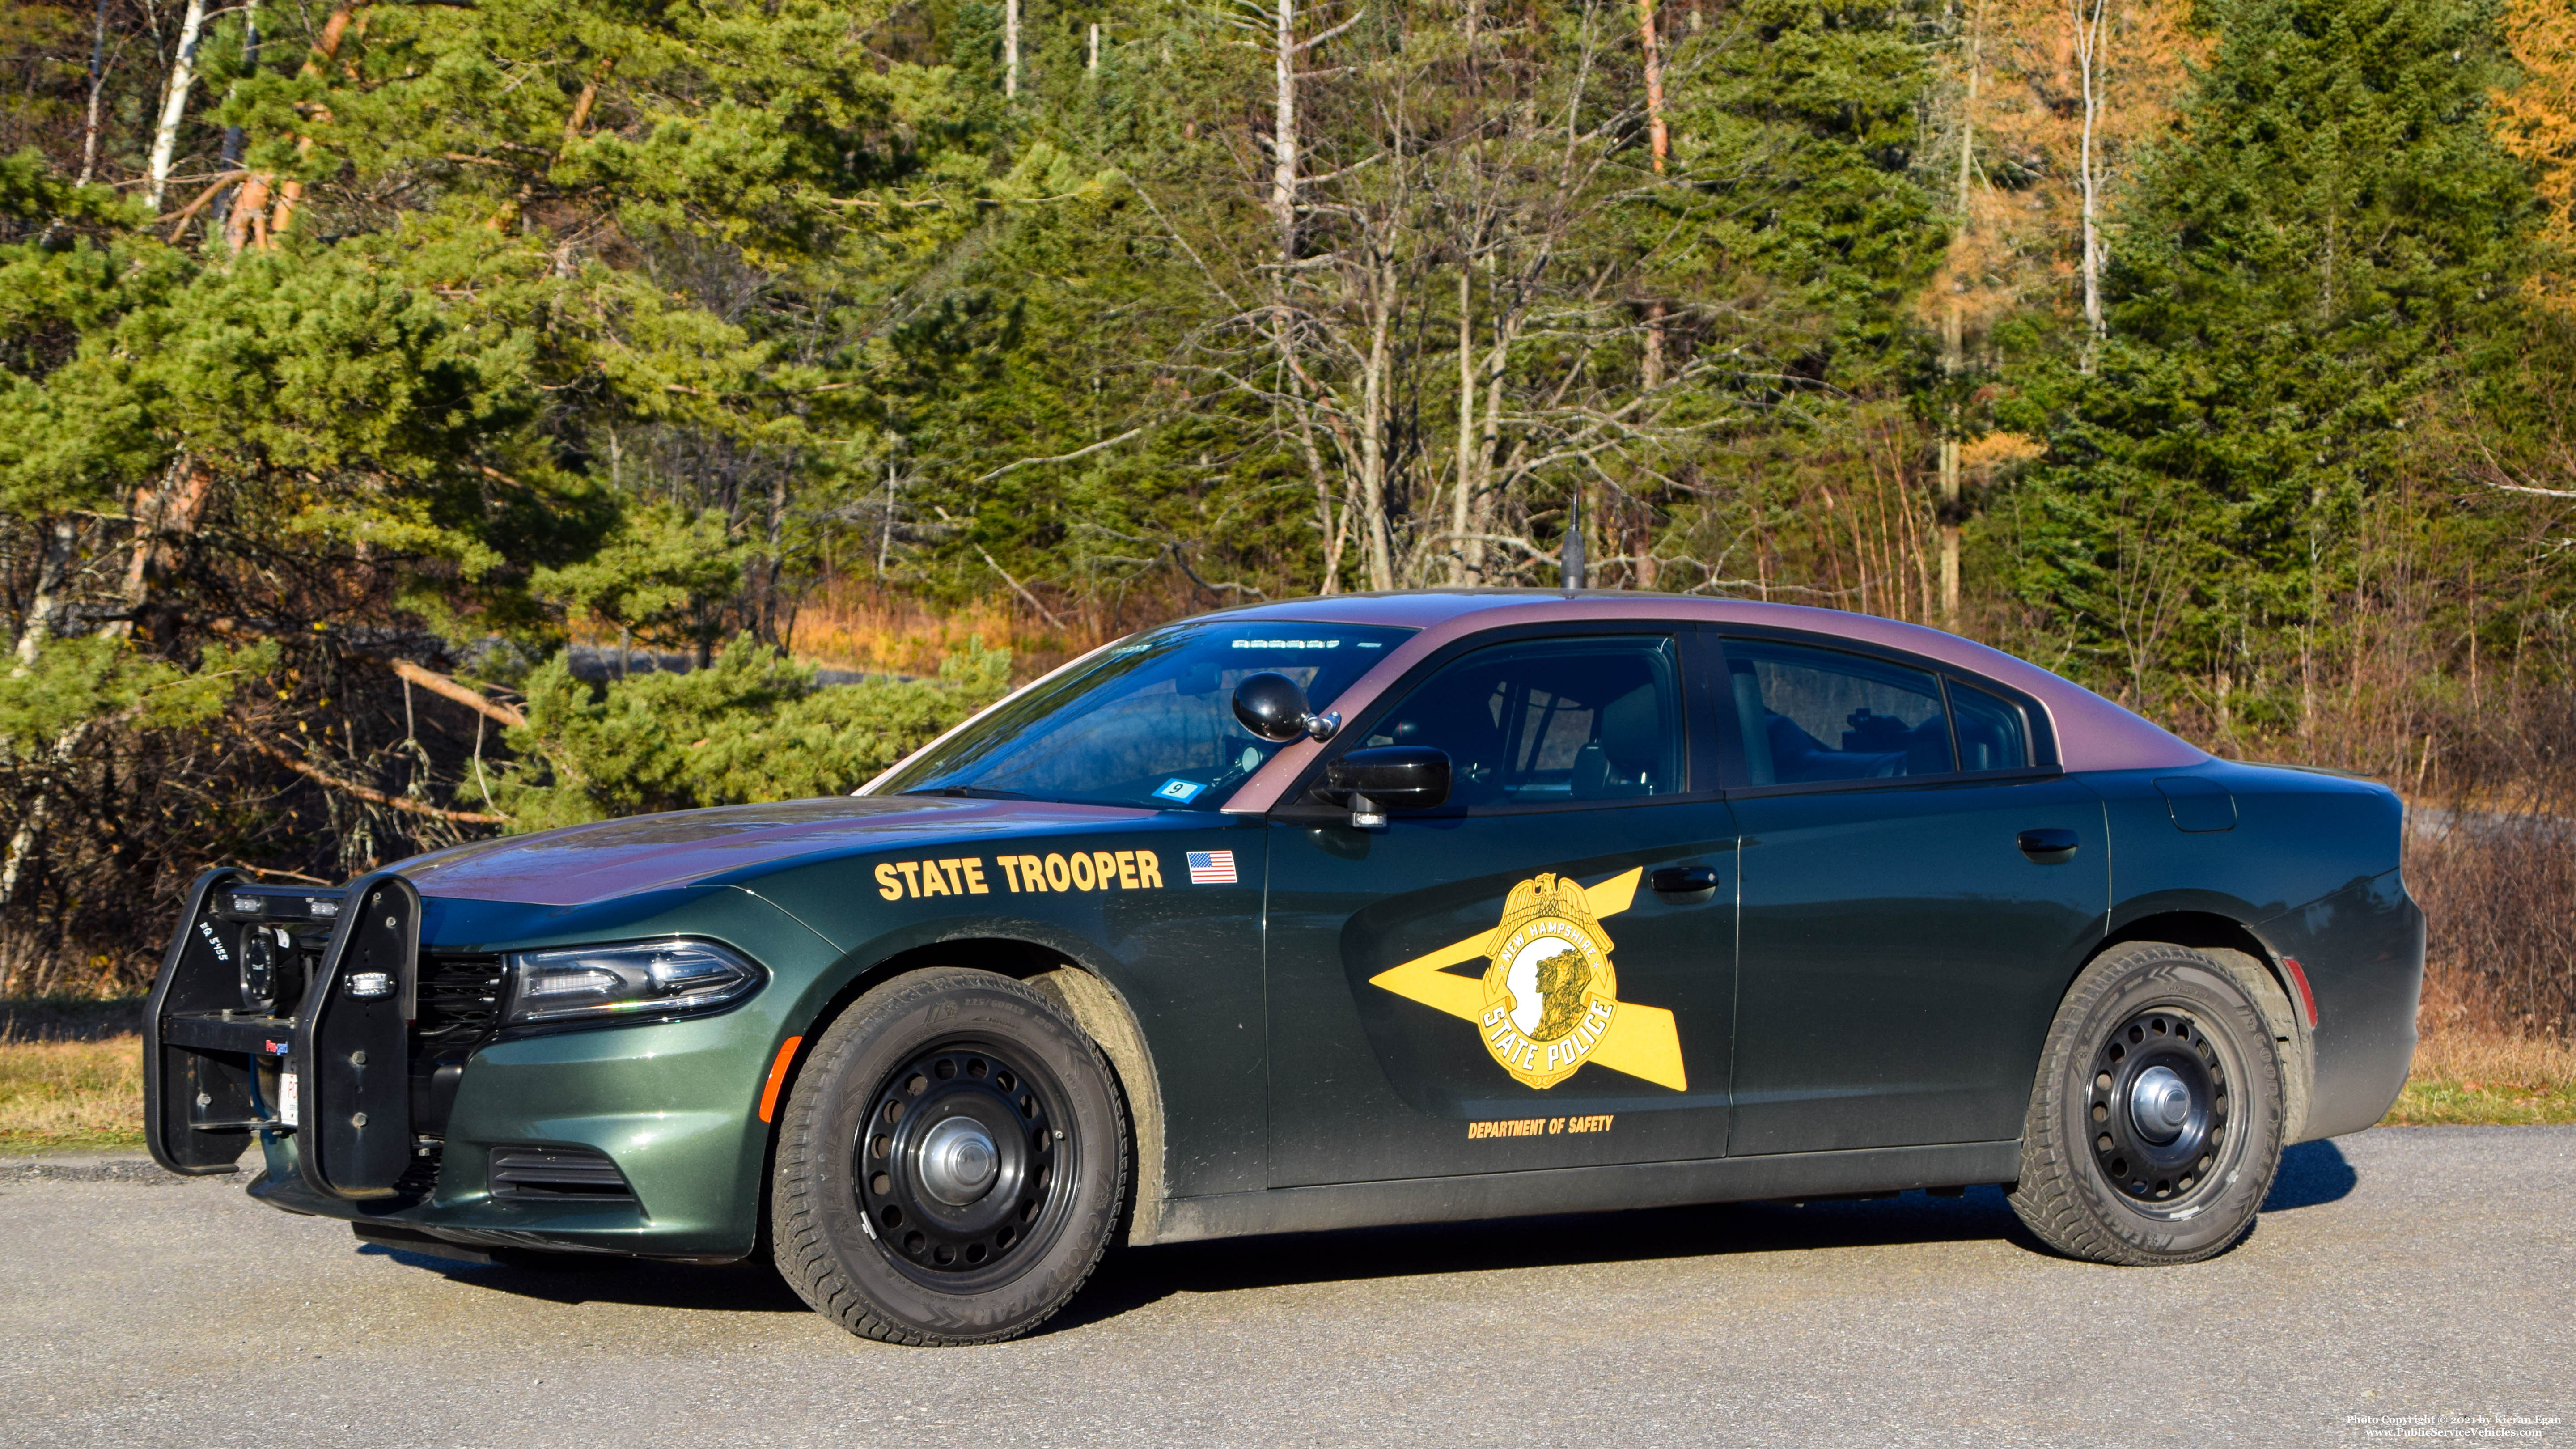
x: 2099, y: 1180
x: 950, y: 1164
x: 2290, y: 1036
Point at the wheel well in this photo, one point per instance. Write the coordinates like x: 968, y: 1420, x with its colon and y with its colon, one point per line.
x: 2204, y: 931
x: 2198, y: 929
x: 1084, y: 994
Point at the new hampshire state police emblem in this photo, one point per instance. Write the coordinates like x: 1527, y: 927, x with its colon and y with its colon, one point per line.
x: 1548, y: 1002
x: 1550, y: 991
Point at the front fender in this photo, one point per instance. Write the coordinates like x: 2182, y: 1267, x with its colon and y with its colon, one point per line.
x: 1186, y: 961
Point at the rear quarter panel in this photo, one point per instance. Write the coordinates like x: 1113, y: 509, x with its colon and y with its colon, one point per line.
x: 2311, y: 870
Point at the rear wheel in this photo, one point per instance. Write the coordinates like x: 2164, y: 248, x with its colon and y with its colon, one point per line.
x: 2155, y: 1125
x: 951, y: 1162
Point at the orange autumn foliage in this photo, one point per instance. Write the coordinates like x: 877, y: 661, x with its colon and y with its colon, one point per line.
x: 2017, y: 88
x: 2536, y: 121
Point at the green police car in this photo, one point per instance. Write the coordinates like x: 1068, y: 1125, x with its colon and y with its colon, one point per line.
x: 1358, y: 910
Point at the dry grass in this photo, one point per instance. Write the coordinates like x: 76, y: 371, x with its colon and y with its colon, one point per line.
x: 60, y: 1096
x: 2486, y: 1079
x: 2484, y: 1056
x: 71, y: 1095
x: 71, y: 1074
x: 2498, y: 890
x: 848, y: 625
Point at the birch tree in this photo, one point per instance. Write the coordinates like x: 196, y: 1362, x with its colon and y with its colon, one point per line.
x: 97, y: 91
x: 174, y: 103
x: 1965, y: 256
x: 2056, y: 103
x: 1400, y: 188
x: 2088, y: 17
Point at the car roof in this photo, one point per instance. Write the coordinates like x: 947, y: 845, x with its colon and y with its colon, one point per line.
x: 2093, y: 733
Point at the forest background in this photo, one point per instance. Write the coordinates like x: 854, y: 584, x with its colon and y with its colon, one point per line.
x: 373, y: 370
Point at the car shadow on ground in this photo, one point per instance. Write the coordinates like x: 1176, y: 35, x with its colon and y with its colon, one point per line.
x: 750, y: 1286
x: 2311, y: 1174
x: 1134, y: 1279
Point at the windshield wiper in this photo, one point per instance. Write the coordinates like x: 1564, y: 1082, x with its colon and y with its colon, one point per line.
x: 971, y: 792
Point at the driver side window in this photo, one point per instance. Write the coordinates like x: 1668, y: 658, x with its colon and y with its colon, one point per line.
x: 1550, y: 720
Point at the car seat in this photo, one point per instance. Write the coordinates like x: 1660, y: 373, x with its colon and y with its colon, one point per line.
x: 1626, y: 753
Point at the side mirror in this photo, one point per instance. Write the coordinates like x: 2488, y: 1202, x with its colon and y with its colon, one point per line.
x: 1274, y: 708
x: 1390, y: 777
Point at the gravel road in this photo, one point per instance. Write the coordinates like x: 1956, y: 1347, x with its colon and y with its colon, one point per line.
x: 2412, y: 1273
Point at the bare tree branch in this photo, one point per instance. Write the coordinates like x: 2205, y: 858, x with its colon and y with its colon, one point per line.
x: 447, y: 688
x: 1043, y: 611
x: 367, y: 793
x: 1067, y: 457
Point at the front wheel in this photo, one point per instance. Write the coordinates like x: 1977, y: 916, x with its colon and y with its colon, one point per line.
x: 951, y: 1162
x: 2155, y: 1124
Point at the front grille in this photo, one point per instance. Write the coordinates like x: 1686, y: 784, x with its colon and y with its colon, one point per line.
x: 457, y: 1007
x: 421, y: 1178
x: 459, y: 1003
x: 555, y: 1174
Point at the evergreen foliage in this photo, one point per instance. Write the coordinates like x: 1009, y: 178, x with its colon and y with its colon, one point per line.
x: 77, y: 683
x: 2331, y: 241
x: 751, y: 727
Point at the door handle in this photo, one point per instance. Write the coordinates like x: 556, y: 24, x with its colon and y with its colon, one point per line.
x: 1684, y: 884
x: 2048, y: 847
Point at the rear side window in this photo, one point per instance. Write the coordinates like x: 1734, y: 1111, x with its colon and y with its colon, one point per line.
x: 1550, y: 720
x: 1991, y: 734
x: 1808, y: 715
x: 1812, y: 715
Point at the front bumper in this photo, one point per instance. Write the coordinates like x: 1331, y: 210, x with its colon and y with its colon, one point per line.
x: 675, y: 1106
x: 659, y: 1121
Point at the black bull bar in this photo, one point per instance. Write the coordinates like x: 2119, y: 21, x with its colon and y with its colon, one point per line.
x: 286, y: 1011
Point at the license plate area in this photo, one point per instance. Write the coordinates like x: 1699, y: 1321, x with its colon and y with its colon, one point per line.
x: 228, y: 1071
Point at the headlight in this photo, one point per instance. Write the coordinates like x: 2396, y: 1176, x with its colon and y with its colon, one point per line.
x: 645, y: 978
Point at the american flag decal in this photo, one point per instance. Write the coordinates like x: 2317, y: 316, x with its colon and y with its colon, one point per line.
x: 1211, y: 867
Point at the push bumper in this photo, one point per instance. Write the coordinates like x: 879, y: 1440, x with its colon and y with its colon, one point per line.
x: 643, y: 1138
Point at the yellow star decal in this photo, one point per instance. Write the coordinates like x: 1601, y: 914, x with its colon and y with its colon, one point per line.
x: 1642, y: 1041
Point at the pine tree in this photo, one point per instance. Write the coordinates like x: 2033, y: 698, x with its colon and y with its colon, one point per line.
x: 2333, y: 238
x: 752, y: 727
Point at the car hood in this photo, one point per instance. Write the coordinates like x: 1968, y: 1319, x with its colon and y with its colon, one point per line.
x: 584, y: 864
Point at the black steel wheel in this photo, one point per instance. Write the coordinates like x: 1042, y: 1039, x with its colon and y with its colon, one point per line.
x: 2155, y: 1124
x: 959, y: 1165
x: 2159, y: 1110
x: 951, y: 1163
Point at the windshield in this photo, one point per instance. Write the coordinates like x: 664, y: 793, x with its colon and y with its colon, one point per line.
x: 1149, y: 722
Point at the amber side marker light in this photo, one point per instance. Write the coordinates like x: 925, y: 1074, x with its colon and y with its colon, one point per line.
x: 778, y: 1076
